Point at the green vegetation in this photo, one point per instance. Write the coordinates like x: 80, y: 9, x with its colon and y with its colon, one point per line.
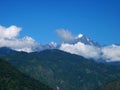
x: 66, y: 71
x: 114, y: 85
x: 12, y: 79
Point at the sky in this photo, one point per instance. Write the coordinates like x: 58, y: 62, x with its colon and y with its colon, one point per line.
x: 39, y: 19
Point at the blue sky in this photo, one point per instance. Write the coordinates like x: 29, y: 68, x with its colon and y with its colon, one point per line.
x: 97, y: 19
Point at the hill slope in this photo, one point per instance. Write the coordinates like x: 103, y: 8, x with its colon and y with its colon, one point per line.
x: 12, y: 79
x: 63, y: 70
x: 114, y: 85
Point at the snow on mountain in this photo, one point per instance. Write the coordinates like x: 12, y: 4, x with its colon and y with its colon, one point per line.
x: 51, y: 45
x: 78, y: 39
x: 80, y: 35
x: 84, y: 39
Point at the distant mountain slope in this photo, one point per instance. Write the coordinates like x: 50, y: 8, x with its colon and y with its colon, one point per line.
x: 64, y: 71
x: 6, y: 51
x: 12, y: 79
x: 115, y: 85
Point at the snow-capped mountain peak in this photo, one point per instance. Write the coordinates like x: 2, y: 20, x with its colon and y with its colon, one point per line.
x: 83, y: 39
x: 53, y: 44
x: 80, y: 35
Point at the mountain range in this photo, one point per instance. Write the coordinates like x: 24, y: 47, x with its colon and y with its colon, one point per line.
x: 80, y: 38
x: 78, y: 63
x: 61, y: 70
x: 86, y: 47
x: 79, y: 45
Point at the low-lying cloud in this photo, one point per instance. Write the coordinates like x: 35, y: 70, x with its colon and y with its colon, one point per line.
x: 9, y: 38
x: 111, y: 53
x: 79, y: 48
x: 108, y: 53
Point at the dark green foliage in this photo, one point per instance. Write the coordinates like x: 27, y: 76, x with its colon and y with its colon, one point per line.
x: 12, y: 79
x: 66, y: 71
x: 114, y: 85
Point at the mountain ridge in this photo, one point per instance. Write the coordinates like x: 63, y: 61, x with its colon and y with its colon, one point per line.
x: 66, y: 71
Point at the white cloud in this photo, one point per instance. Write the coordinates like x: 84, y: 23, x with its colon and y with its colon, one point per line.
x: 108, y: 53
x: 111, y: 53
x: 79, y: 48
x: 9, y: 38
x: 10, y: 32
x: 65, y: 35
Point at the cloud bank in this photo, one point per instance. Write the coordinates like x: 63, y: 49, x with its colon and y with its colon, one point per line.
x: 111, y: 53
x: 108, y: 53
x: 81, y: 49
x: 9, y: 38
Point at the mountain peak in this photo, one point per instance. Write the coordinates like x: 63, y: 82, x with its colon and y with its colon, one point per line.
x: 83, y: 39
x: 53, y: 44
x: 80, y: 35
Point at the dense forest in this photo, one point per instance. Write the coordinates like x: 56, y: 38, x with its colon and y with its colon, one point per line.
x: 12, y: 79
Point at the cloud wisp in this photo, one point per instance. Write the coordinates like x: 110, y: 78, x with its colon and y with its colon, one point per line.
x: 65, y: 35
x: 9, y: 38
